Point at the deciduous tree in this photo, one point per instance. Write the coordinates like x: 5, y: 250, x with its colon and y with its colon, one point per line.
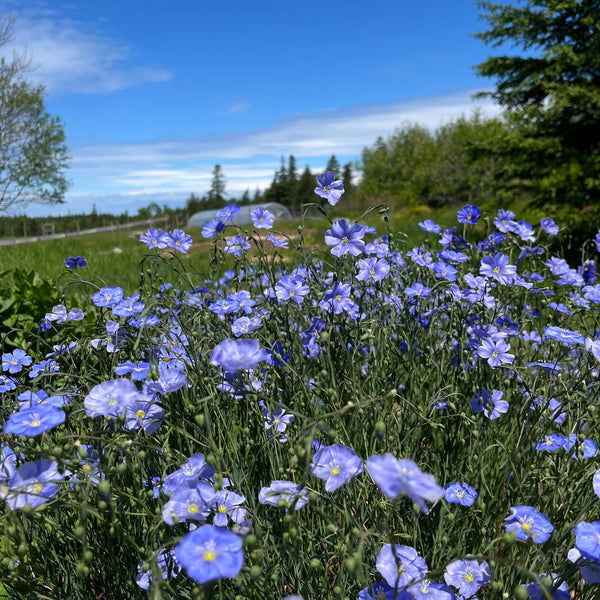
x: 33, y: 154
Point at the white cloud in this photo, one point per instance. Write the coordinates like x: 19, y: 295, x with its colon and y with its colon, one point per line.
x: 70, y: 59
x: 235, y: 108
x: 129, y: 173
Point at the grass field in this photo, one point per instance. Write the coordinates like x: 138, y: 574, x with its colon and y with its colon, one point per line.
x: 114, y: 258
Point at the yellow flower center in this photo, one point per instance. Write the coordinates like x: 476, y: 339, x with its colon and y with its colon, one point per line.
x: 209, y: 552
x: 496, y: 270
x: 36, y: 422
x: 37, y: 488
x: 140, y: 414
x: 494, y: 354
x: 345, y: 240
x: 334, y: 468
x: 222, y: 508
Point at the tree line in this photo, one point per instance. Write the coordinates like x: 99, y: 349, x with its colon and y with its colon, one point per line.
x: 289, y: 188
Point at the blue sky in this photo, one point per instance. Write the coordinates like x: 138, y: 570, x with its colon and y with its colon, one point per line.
x: 153, y: 94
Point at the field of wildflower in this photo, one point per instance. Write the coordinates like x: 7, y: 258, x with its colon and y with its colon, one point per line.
x: 373, y: 421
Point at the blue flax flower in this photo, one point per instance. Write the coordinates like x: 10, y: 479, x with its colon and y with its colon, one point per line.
x: 278, y: 242
x: 429, y: 590
x: 13, y: 362
x: 291, y: 287
x: 211, y: 228
x: 549, y: 226
x: 337, y: 299
x: 551, y: 443
x: 33, y: 483
x: 430, y: 227
x: 73, y: 262
x: 154, y: 238
x: 108, y: 296
x: 179, y: 240
x: 8, y: 466
x: 33, y: 421
x: 468, y: 576
x: 566, y: 336
x: 139, y: 371
x: 587, y: 540
x: 210, y: 553
x: 243, y: 325
x: 527, y: 523
x: 379, y: 591
x: 276, y: 423
x: 111, y: 398
x: 336, y: 464
x: 234, y: 355
x: 496, y: 352
x: 193, y: 469
x: 395, y: 477
x: 460, y: 493
x: 588, y: 569
x: 345, y: 238
x: 286, y: 494
x: 190, y: 501
x: 329, y: 187
x: 262, y: 218
x: 228, y: 503
x: 128, y: 306
x: 468, y: 214
x: 491, y: 405
x: 550, y: 587
x: 228, y: 212
x: 400, y: 565
x: 372, y: 269
x: 60, y: 315
x: 497, y: 268
x: 236, y: 245
x: 143, y: 413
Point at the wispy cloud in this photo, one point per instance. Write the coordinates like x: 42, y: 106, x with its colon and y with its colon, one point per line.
x: 235, y: 108
x: 175, y: 168
x: 344, y: 131
x: 67, y: 58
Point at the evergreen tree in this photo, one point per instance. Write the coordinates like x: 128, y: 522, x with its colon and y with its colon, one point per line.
x: 216, y: 193
x: 245, y: 199
x: 305, y: 190
x: 291, y: 170
x: 347, y: 179
x: 194, y: 204
x: 551, y: 95
x: 333, y: 165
